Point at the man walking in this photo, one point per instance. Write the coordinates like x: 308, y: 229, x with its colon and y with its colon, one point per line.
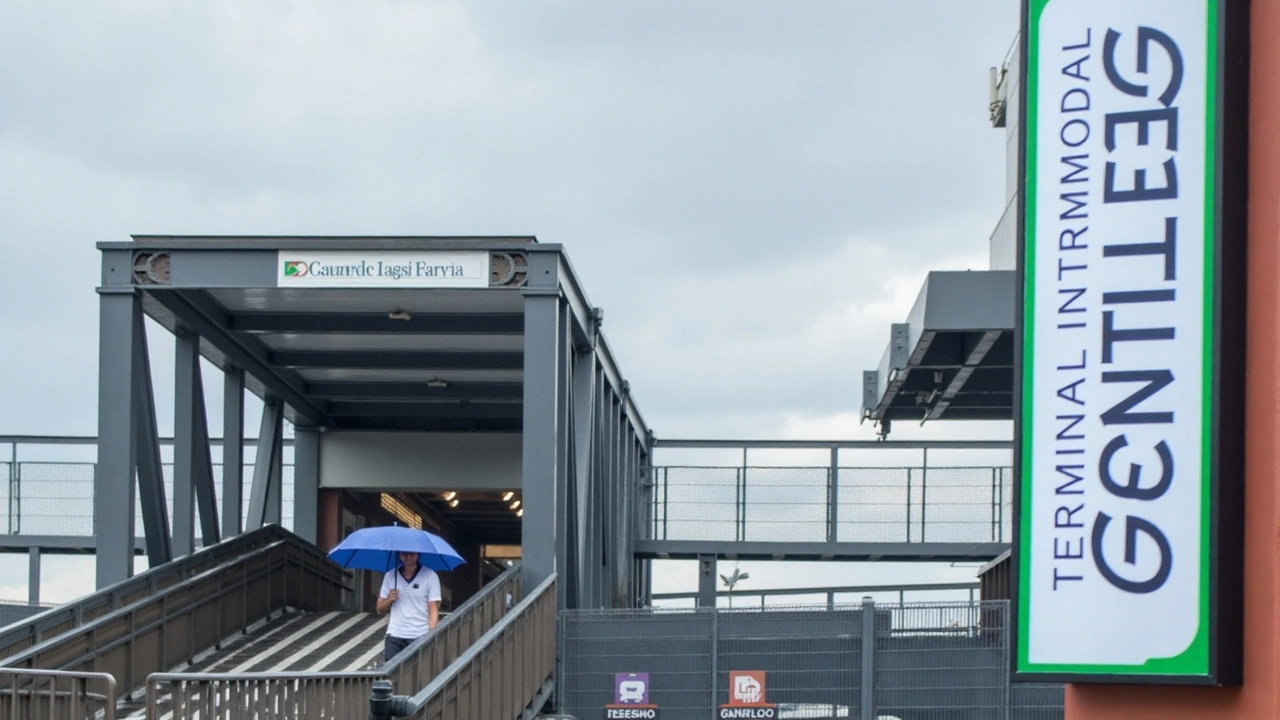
x: 411, y: 593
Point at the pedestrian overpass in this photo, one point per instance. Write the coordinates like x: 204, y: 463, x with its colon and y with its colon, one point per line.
x: 463, y: 384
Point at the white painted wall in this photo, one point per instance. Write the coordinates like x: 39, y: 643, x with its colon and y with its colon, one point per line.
x: 420, y: 461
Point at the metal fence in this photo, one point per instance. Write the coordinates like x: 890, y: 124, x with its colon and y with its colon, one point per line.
x: 821, y: 504
x: 38, y: 694
x: 56, y: 498
x: 12, y: 611
x: 928, y: 661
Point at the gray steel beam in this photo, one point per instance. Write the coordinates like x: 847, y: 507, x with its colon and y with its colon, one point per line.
x: 706, y: 580
x: 428, y: 424
x: 155, y: 511
x: 538, y: 474
x: 411, y: 392
x: 566, y: 563
x: 33, y: 575
x: 620, y: 562
x: 186, y: 359
x: 66, y: 545
x: 583, y: 402
x: 263, y: 462
x: 275, y: 487
x: 422, y: 324
x: 867, y: 671
x: 210, y: 321
x: 397, y: 360
x: 206, y: 497
x: 232, y: 450
x: 114, y: 486
x: 756, y: 550
x: 192, y: 464
x: 306, y: 483
x: 454, y: 409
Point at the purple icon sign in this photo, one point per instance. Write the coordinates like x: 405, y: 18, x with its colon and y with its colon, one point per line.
x: 631, y: 688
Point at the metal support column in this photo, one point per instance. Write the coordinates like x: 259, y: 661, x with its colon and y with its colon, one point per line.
x: 583, y: 398
x: 868, y: 671
x: 306, y: 482
x: 833, y: 497
x: 540, y: 431
x: 33, y: 575
x: 232, y: 450
x: 275, y: 488
x: 707, y: 581
x: 263, y: 464
x: 567, y: 547
x: 192, y: 463
x: 113, y: 477
x: 15, y: 491
x: 155, y: 510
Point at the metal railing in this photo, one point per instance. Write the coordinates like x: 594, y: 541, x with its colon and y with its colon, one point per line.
x: 913, y: 504
x: 236, y: 696
x: 243, y: 696
x: 56, y: 498
x: 429, y: 656
x: 506, y: 673
x: 746, y: 598
x: 55, y: 695
x: 925, y: 661
x: 68, y: 617
x: 12, y: 611
x: 161, y: 630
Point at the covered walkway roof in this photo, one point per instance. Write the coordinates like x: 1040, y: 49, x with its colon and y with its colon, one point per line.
x: 362, y: 352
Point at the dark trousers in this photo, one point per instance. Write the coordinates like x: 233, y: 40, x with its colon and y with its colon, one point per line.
x: 393, y: 646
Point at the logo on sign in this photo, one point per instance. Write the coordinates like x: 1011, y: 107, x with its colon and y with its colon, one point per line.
x: 295, y: 268
x: 631, y: 689
x: 747, y: 688
x: 631, y: 698
x: 746, y: 697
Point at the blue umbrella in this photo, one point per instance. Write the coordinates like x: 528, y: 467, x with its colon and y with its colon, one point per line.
x: 375, y: 548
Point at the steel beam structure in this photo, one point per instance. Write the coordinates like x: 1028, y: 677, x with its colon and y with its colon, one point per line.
x: 306, y: 482
x: 192, y: 461
x: 523, y: 354
x: 232, y: 450
x: 542, y: 392
x: 265, y: 493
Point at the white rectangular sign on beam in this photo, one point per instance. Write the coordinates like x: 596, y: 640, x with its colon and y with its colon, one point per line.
x: 353, y: 269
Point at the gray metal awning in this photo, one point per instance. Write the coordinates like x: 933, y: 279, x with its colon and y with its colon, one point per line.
x: 355, y: 358
x: 953, y: 357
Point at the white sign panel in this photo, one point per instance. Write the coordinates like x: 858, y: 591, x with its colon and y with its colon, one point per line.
x: 1115, y: 441
x: 345, y: 269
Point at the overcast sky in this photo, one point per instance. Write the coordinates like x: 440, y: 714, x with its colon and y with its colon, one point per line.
x: 752, y: 191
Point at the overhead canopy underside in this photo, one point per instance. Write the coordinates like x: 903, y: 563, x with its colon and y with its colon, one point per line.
x: 953, y: 358
x: 354, y: 358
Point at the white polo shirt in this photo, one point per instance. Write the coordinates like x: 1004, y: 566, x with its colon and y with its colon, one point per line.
x: 409, y: 617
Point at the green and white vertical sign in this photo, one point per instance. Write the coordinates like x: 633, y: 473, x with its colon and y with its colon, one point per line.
x: 1115, y: 556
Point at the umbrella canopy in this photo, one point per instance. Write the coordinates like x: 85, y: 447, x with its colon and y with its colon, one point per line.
x: 375, y: 548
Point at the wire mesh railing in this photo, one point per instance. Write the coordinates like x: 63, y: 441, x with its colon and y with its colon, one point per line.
x: 56, y: 498
x: 924, y: 661
x: 817, y: 504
